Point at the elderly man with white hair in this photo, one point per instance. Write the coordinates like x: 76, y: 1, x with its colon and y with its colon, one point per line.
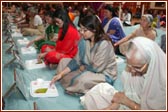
x: 144, y: 81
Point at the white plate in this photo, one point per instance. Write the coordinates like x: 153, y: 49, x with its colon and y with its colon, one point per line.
x: 29, y: 50
x: 51, y: 92
x: 24, y: 41
x: 32, y: 64
x: 16, y: 34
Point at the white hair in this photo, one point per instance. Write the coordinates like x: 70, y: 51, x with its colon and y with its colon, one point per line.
x: 133, y: 52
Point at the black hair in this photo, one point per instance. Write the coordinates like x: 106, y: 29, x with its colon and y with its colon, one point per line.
x: 25, y: 7
x: 63, y: 15
x: 112, y: 10
x: 91, y: 11
x: 93, y: 24
x: 108, y: 7
x: 50, y: 14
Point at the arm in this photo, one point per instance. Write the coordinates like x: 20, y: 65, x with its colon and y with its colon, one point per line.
x: 125, y: 39
x: 34, y: 40
x: 55, y: 38
x: 76, y: 62
x: 121, y: 98
x: 153, y: 34
x: 111, y: 32
x: 131, y: 104
x: 73, y: 65
x: 60, y: 75
x: 113, y: 106
x: 100, y: 59
x: 20, y: 21
x: 22, y: 25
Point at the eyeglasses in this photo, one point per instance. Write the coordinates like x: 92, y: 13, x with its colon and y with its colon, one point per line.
x: 138, y: 69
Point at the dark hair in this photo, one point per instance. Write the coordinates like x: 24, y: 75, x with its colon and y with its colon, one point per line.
x: 93, y: 24
x: 63, y: 15
x: 50, y: 14
x: 91, y: 11
x: 108, y: 7
x: 112, y: 10
x: 25, y: 7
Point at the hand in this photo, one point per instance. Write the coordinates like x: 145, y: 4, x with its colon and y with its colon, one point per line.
x: 119, y: 98
x: 123, y: 47
x: 55, y: 78
x: 30, y: 43
x: 48, y: 49
x: 55, y: 38
x: 113, y: 106
x: 117, y: 43
x: 82, y: 68
x: 41, y: 55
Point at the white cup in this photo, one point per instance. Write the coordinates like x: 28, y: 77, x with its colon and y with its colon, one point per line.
x: 40, y: 81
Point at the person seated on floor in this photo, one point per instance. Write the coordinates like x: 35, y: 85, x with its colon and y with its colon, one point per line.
x: 21, y: 18
x: 12, y: 9
x: 127, y: 18
x: 25, y: 21
x: 144, y: 81
x: 91, y: 65
x: 89, y: 11
x: 144, y: 30
x: 37, y: 28
x: 162, y: 19
x: 67, y: 42
x: 156, y: 19
x: 51, y: 33
x: 112, y: 26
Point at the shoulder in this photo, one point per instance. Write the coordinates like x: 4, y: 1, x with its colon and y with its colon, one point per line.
x: 115, y: 20
x: 105, y: 43
x: 72, y: 32
x: 37, y: 17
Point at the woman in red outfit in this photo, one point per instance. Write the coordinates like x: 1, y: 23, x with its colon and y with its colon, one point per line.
x: 67, y: 43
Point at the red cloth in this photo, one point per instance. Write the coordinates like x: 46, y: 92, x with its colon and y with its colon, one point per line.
x: 67, y: 48
x: 44, y: 47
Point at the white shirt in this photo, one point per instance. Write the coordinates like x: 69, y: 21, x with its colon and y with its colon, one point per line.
x: 127, y: 18
x: 37, y: 20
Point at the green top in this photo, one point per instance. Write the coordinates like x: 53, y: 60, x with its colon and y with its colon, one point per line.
x: 50, y: 31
